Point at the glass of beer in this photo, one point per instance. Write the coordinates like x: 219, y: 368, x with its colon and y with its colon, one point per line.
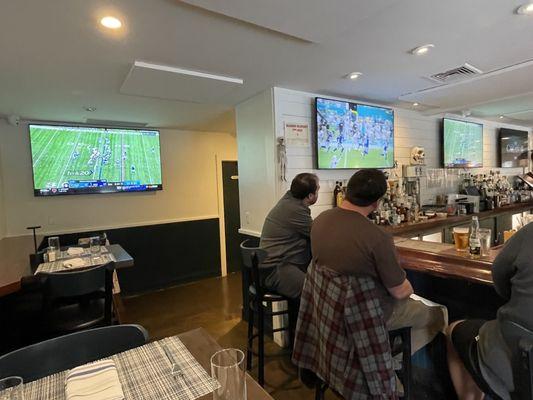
x: 460, y: 237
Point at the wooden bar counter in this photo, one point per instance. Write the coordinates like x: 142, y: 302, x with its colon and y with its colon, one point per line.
x: 441, y: 259
x: 440, y: 273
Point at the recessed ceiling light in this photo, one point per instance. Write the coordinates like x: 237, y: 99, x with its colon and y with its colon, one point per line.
x: 420, y: 50
x: 111, y: 22
x: 501, y: 117
x: 354, y: 75
x: 415, y: 104
x: 90, y: 108
x: 525, y: 9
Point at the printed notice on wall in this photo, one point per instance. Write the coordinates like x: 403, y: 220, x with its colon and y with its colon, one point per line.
x: 296, y: 134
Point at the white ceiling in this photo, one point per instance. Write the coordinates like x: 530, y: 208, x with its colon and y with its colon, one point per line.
x: 55, y: 59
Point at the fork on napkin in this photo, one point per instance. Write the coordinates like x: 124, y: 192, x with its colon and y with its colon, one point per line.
x: 95, y: 381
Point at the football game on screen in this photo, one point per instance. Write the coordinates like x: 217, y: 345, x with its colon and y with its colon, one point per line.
x: 70, y: 160
x: 354, y: 135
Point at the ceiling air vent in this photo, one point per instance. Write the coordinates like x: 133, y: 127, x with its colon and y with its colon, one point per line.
x: 465, y: 71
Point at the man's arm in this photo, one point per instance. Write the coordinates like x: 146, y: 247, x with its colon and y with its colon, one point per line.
x: 504, y: 265
x: 301, y: 221
x: 389, y: 270
x: 402, y: 291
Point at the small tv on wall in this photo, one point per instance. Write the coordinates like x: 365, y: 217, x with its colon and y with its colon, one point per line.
x: 70, y: 159
x: 514, y: 148
x: 353, y: 136
x: 462, y: 144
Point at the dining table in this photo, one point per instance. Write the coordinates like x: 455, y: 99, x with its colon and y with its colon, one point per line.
x: 145, y: 372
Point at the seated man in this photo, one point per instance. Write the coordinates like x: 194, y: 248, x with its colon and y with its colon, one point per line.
x: 479, y: 352
x: 344, y: 240
x: 285, y: 237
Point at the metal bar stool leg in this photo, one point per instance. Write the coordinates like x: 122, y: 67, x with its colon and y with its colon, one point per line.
x: 249, y: 349
x: 261, y: 345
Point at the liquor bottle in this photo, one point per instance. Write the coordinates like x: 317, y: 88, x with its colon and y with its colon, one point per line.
x: 475, y: 241
x: 335, y: 194
x: 340, y: 194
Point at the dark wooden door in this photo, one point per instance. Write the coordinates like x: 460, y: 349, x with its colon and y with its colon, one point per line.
x: 232, y: 220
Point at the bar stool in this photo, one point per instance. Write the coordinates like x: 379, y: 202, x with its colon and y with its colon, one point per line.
x: 404, y: 334
x: 259, y: 305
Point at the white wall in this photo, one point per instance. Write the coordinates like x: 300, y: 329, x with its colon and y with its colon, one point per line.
x: 411, y: 129
x: 189, y: 187
x: 257, y: 160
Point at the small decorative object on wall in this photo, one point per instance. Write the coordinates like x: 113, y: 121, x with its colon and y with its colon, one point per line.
x: 418, y: 156
x: 297, y: 134
x: 282, y: 159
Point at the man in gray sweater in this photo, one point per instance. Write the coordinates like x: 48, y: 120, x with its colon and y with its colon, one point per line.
x: 479, y: 357
x: 285, y: 237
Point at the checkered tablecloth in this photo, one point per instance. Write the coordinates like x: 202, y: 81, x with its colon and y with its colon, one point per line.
x: 89, y: 261
x: 64, y: 255
x: 144, y: 373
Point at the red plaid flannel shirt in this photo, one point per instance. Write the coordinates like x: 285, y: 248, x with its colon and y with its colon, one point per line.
x: 342, y: 337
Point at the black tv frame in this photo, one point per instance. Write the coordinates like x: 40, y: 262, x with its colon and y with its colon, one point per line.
x: 442, y: 143
x: 315, y: 138
x: 37, y: 193
x: 515, y: 131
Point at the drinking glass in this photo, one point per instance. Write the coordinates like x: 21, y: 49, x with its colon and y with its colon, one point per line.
x: 485, y: 235
x: 227, y: 367
x: 460, y: 237
x: 53, y: 248
x: 94, y: 244
x: 11, y: 388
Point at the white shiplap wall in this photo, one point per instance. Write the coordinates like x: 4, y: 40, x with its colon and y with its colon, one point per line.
x: 411, y: 129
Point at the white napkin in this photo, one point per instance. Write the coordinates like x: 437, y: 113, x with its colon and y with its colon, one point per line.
x: 74, y: 263
x: 74, y: 251
x: 96, y: 381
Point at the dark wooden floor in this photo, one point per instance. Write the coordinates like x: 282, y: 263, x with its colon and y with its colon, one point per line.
x: 215, y: 304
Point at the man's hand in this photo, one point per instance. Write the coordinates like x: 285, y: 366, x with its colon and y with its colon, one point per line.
x: 402, y: 291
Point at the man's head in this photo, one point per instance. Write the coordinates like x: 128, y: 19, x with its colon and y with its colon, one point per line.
x: 366, y: 187
x: 305, y: 187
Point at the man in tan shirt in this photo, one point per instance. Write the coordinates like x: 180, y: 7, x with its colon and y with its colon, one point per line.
x: 345, y: 240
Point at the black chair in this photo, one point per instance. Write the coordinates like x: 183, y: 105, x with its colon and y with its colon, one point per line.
x: 402, y: 335
x: 78, y: 299
x: 258, y: 297
x: 65, y: 352
x: 520, y: 343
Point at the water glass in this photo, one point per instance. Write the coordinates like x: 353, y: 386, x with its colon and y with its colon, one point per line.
x: 227, y: 367
x: 11, y: 388
x: 94, y: 244
x: 485, y: 235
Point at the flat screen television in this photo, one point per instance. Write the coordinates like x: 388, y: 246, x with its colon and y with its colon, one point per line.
x: 462, y: 144
x: 350, y: 135
x: 82, y: 159
x: 514, y: 148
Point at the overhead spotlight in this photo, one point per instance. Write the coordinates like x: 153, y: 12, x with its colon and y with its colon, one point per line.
x: 415, y: 104
x: 421, y: 50
x: 90, y: 108
x: 354, y: 75
x: 500, y: 117
x: 111, y: 22
x: 525, y: 9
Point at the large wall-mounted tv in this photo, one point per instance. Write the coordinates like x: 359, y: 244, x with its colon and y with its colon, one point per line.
x: 83, y: 159
x: 514, y: 148
x: 350, y: 135
x: 462, y: 144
